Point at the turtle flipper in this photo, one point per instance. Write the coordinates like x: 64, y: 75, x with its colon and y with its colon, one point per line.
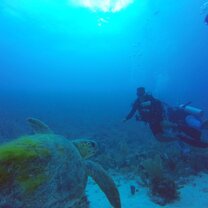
x: 38, y: 126
x: 105, y: 183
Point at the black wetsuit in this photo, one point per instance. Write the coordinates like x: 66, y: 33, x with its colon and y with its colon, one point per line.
x: 152, y: 114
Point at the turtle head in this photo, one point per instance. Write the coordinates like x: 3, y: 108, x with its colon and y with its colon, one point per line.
x: 86, y: 147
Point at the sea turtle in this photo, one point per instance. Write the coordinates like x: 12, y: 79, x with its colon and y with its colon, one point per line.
x: 47, y: 170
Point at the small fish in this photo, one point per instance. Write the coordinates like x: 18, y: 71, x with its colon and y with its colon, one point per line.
x: 206, y: 20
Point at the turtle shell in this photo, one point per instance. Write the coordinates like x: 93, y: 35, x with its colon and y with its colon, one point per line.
x: 42, y: 170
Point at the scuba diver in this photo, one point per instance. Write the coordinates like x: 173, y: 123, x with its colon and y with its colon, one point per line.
x: 149, y: 109
x: 183, y: 123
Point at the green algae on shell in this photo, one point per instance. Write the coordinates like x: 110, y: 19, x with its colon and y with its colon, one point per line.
x: 17, y: 159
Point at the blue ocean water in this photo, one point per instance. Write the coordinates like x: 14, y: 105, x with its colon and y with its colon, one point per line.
x: 59, y: 50
x: 77, y: 68
x: 54, y: 48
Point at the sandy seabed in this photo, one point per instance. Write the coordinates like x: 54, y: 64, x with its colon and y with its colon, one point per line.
x: 192, y: 195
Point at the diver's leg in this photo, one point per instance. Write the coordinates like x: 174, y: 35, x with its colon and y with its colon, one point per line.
x: 187, y: 131
x: 193, y: 142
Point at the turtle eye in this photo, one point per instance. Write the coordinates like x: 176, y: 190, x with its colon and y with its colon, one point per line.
x: 92, y: 144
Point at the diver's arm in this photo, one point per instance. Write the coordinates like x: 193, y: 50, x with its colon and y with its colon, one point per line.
x: 132, y: 112
x: 167, y: 134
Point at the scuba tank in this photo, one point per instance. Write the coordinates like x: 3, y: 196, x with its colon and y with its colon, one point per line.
x: 192, y: 110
